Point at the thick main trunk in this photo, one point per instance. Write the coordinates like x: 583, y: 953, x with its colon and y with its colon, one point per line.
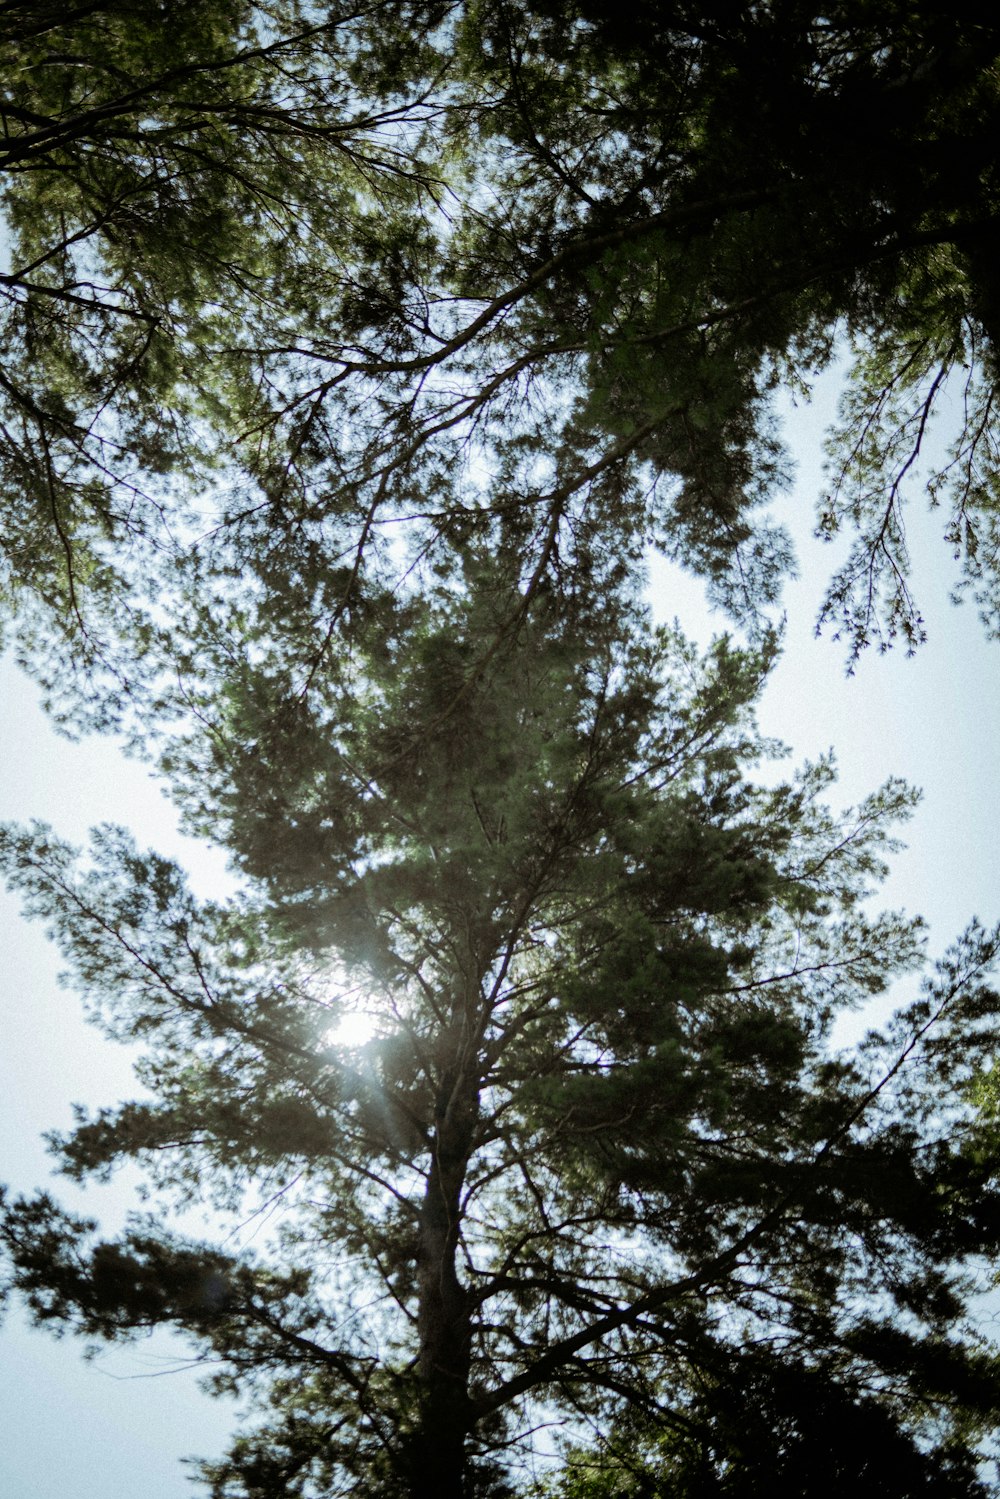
x: 444, y: 1326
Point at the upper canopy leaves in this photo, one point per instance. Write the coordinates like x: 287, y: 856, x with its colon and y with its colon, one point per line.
x: 442, y: 261
x: 172, y: 180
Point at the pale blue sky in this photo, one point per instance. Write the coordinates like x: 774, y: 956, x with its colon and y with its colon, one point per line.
x: 115, y: 1429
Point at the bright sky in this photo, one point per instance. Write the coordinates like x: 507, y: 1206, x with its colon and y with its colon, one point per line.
x: 115, y: 1428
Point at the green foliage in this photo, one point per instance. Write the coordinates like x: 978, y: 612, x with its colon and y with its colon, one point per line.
x: 171, y: 181
x: 764, y: 1421
x: 419, y: 264
x: 601, y: 1151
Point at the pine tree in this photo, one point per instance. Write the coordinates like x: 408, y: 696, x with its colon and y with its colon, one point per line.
x: 600, y: 1151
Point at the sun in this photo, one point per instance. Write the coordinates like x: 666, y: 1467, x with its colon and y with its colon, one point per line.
x: 355, y: 1027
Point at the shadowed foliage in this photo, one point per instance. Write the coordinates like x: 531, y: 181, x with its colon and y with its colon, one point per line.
x: 291, y: 269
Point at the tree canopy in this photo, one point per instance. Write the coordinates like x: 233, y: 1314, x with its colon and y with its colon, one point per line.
x: 170, y: 175
x: 318, y: 265
x: 356, y: 359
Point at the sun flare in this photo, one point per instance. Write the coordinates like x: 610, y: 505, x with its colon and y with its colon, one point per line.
x: 355, y: 1027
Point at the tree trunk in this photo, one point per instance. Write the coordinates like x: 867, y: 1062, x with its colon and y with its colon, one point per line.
x: 443, y: 1319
